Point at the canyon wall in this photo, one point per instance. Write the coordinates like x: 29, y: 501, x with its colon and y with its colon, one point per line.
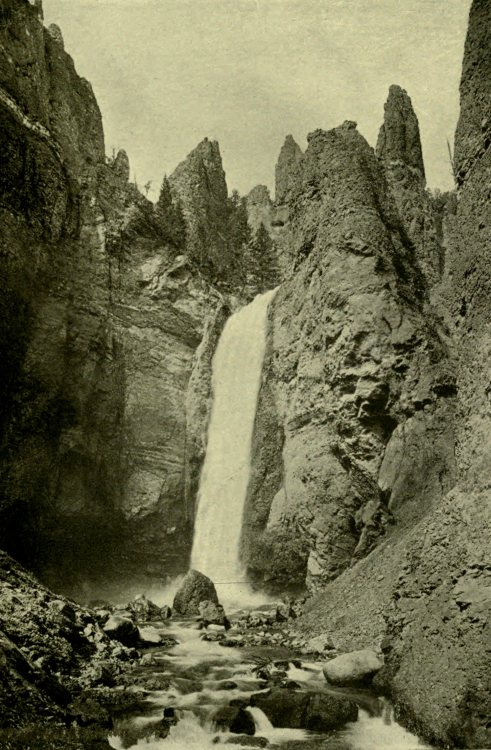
x: 423, y: 594
x: 354, y: 431
x: 102, y: 313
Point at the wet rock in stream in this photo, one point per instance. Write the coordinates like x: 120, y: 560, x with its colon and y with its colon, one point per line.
x: 234, y: 719
x: 122, y: 629
x: 213, y: 614
x: 355, y: 668
x: 318, y: 712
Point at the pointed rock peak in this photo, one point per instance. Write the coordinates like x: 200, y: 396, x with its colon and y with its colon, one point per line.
x: 55, y: 33
x: 207, y: 149
x: 349, y: 125
x: 399, y: 138
x: 205, y: 158
x: 259, y: 206
x: 287, y: 167
x: 290, y: 147
x: 259, y: 195
x: 121, y: 166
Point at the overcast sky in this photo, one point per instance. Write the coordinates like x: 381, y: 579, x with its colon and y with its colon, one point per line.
x: 167, y: 73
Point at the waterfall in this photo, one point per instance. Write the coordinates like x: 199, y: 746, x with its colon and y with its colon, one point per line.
x: 237, y: 368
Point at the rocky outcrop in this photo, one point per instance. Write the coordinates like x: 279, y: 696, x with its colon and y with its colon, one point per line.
x: 358, y: 383
x: 259, y: 208
x: 288, y: 176
x: 199, y: 183
x: 288, y: 170
x: 441, y: 605
x: 399, y: 137
x: 399, y: 150
x: 50, y: 651
x: 424, y: 595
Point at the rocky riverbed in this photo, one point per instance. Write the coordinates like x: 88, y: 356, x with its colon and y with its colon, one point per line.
x: 143, y: 676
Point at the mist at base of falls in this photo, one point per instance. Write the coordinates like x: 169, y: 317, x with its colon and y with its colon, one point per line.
x: 237, y: 370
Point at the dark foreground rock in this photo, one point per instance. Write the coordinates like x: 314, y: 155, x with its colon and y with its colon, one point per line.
x: 194, y: 589
x: 122, y: 629
x: 234, y: 719
x: 51, y: 651
x: 318, y: 712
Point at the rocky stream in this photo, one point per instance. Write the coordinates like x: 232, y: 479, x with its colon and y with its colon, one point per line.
x: 254, y: 682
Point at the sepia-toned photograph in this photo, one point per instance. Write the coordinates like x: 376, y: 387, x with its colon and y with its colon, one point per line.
x: 245, y: 374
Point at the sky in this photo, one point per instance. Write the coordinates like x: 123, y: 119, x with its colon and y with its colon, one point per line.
x: 167, y: 73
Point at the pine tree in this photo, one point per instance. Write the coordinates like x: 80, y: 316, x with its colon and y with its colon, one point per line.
x: 169, y: 213
x: 263, y: 270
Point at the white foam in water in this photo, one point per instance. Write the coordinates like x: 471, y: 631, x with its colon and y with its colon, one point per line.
x: 264, y: 728
x: 188, y: 734
x: 380, y: 733
x: 237, y: 368
x: 191, y: 650
x: 308, y: 673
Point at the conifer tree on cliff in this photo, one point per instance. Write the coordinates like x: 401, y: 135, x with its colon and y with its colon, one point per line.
x: 168, y: 211
x: 239, y: 235
x: 263, y: 268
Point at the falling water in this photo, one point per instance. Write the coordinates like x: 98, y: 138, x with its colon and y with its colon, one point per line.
x: 237, y: 367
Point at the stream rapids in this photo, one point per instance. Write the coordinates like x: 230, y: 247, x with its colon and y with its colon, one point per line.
x: 201, y: 676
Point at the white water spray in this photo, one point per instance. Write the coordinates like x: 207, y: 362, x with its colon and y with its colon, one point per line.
x: 237, y: 368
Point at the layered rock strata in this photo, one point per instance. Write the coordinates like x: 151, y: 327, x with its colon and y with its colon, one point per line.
x: 100, y: 322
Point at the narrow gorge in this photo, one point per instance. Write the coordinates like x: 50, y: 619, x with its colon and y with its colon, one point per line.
x: 288, y: 395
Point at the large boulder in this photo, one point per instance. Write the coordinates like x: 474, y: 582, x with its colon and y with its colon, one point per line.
x: 122, y: 629
x: 326, y: 712
x: 355, y: 668
x: 234, y: 719
x: 195, y: 588
x: 318, y: 712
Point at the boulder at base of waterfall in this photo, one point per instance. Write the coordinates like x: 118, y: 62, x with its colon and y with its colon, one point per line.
x: 355, y: 668
x: 122, y: 629
x: 318, y: 712
x: 213, y: 614
x: 284, y: 611
x: 194, y: 589
x: 234, y: 719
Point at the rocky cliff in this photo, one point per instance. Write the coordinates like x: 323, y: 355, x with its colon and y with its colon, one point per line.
x: 354, y: 426
x: 423, y: 594
x: 101, y: 317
